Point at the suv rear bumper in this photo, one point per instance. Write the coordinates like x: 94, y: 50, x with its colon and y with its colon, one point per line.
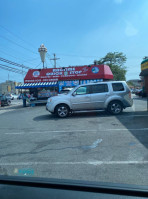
x: 128, y: 103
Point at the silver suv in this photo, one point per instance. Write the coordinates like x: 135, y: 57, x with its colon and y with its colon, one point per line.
x: 112, y: 96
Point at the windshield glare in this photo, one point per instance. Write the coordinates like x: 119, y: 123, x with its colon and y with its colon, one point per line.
x: 98, y: 133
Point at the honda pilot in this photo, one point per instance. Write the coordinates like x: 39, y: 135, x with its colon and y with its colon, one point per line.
x: 113, y: 96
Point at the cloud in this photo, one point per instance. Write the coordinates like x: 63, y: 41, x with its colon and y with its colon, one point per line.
x: 130, y: 30
x: 118, y: 1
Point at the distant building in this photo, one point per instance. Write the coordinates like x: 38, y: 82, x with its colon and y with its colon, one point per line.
x: 8, y: 87
x: 135, y: 83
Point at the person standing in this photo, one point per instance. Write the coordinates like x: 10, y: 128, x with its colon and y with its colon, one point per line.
x: 24, y: 99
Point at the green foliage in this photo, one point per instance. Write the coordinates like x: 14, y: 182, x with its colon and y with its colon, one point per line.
x: 116, y: 63
x: 118, y: 72
x: 130, y: 83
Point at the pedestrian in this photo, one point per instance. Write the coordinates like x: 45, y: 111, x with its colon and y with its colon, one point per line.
x: 24, y: 99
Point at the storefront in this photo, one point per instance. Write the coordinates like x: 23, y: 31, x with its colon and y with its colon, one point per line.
x: 44, y: 83
x: 144, y: 75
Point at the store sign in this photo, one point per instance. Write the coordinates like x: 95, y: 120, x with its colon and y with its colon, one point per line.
x: 144, y: 65
x: 46, y: 93
x: 90, y: 81
x: 69, y: 83
x: 95, y: 69
x: 68, y: 73
x: 36, y: 73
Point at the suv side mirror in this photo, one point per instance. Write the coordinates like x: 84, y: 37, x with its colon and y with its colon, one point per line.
x: 74, y: 93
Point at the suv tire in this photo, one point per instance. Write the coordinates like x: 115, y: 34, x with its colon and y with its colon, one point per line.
x: 62, y: 111
x: 115, y: 107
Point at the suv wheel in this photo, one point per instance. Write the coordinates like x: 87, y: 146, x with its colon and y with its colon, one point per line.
x: 115, y: 107
x: 62, y: 110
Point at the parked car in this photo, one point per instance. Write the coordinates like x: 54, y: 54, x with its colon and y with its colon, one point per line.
x: 15, y: 96
x: 138, y: 91
x: 111, y: 96
x: 142, y: 94
x: 133, y: 90
x: 10, y: 96
x: 4, y: 100
x: 19, y: 96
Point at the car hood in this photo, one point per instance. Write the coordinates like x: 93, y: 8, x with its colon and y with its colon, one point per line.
x: 60, y: 96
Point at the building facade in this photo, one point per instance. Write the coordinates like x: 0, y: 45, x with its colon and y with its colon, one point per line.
x: 44, y: 83
x: 8, y: 87
x: 144, y: 74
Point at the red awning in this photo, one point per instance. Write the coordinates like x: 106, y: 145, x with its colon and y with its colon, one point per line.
x: 69, y: 73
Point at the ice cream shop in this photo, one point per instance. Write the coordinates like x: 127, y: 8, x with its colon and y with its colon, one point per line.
x: 47, y: 82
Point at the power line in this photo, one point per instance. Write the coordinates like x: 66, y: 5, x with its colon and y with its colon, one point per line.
x: 8, y: 54
x: 17, y: 44
x: 82, y: 56
x: 14, y: 63
x: 9, y: 70
x: 58, y: 64
x: 55, y: 59
x: 14, y: 69
x: 16, y: 35
x: 5, y: 67
x: 38, y: 64
x: 28, y: 61
x: 49, y: 59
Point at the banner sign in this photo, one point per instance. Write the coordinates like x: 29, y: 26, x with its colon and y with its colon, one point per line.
x: 144, y: 65
x: 90, y: 81
x: 70, y: 83
x: 68, y: 73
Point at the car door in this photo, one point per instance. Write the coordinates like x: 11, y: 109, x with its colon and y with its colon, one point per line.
x: 80, y: 99
x: 99, y: 94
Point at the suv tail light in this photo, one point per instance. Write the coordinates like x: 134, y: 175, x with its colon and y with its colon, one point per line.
x: 130, y: 95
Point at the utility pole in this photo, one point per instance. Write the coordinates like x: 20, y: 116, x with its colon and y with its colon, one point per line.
x: 54, y: 60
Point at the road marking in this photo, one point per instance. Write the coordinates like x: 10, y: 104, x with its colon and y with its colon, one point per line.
x: 69, y: 131
x: 94, y: 163
x: 63, y: 131
x: 135, y: 116
x: 142, y: 129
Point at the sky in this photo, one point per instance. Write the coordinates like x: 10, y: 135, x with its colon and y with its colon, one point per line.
x: 78, y: 31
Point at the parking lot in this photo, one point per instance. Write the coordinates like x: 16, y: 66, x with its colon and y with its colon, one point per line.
x: 92, y: 146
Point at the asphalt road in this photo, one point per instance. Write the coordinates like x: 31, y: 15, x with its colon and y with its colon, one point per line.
x: 90, y: 146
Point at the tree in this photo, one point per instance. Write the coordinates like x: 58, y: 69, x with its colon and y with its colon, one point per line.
x: 116, y: 63
x: 130, y: 83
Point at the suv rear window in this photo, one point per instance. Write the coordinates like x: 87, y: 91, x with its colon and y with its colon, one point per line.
x: 99, y: 88
x: 118, y: 87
